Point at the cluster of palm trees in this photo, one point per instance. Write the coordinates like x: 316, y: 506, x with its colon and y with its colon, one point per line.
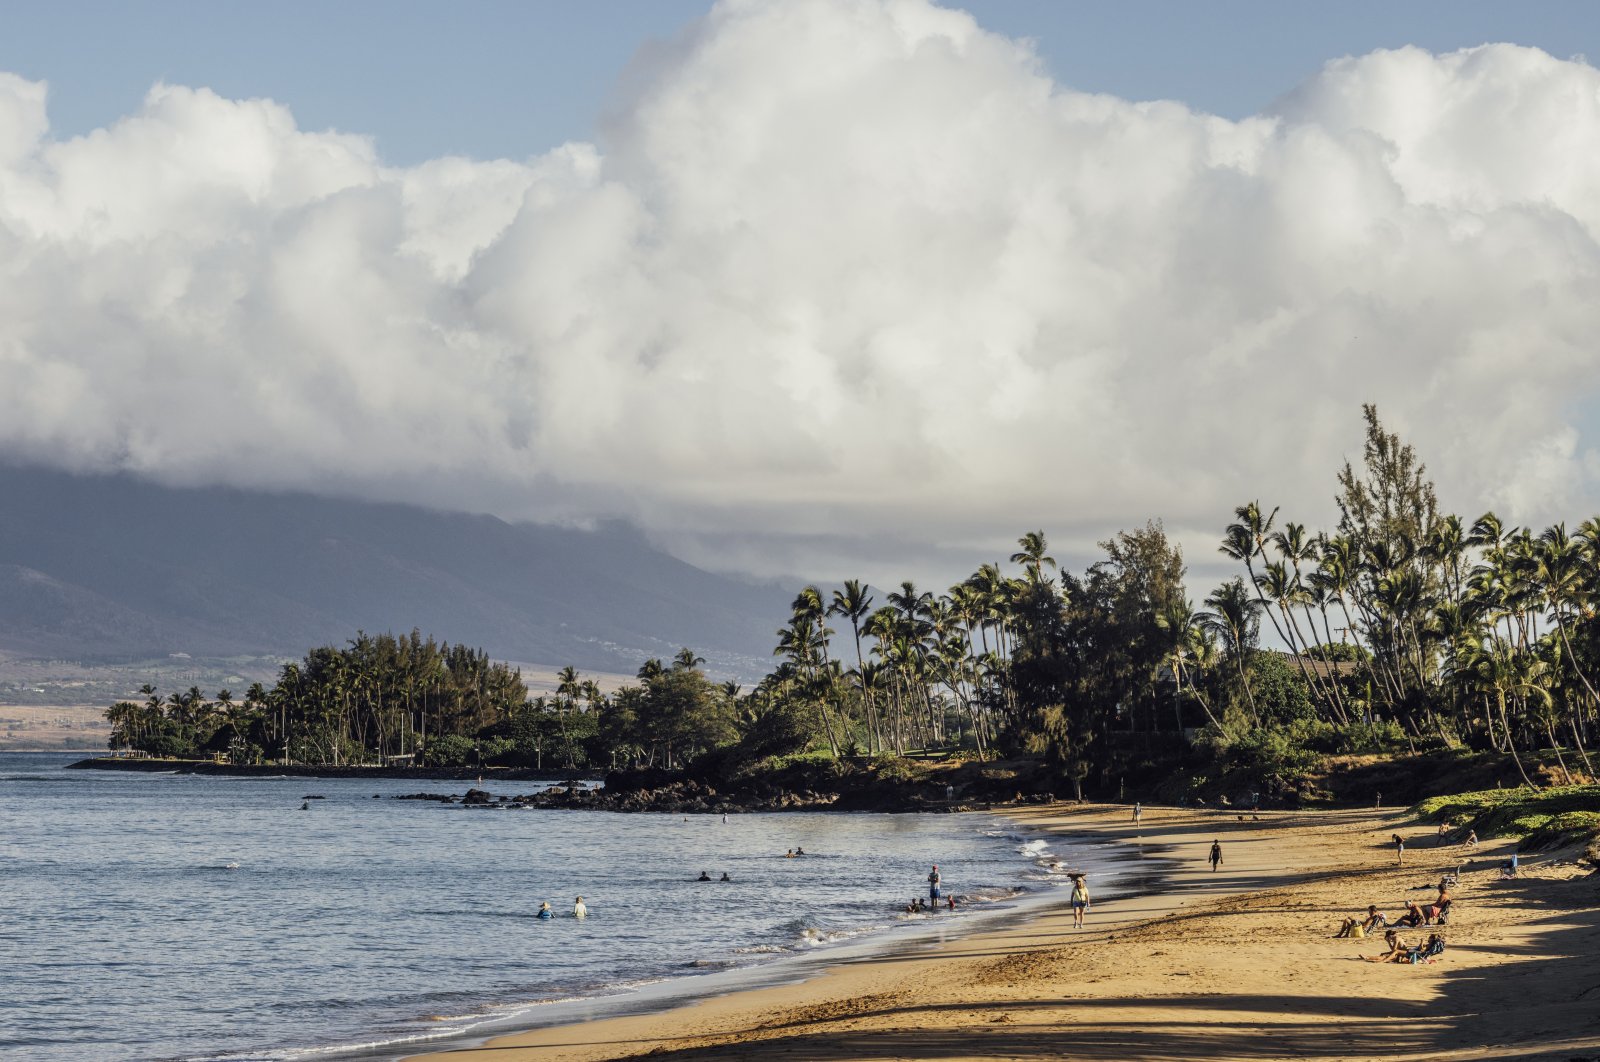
x: 180, y: 723
x: 1482, y: 633
x: 377, y: 697
x: 918, y: 672
x: 672, y: 715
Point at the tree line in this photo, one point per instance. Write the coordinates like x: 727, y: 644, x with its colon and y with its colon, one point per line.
x: 1403, y: 628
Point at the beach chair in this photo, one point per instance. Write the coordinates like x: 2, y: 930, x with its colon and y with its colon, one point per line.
x: 1427, y: 953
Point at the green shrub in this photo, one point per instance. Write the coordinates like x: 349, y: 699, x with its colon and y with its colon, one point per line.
x: 1542, y: 818
x: 452, y: 750
x: 1280, y: 691
x: 1270, y: 755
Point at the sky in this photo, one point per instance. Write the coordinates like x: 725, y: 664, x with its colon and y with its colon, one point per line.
x: 819, y: 288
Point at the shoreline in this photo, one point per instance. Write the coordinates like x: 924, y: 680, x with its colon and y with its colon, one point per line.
x: 1119, y: 870
x: 1230, y: 965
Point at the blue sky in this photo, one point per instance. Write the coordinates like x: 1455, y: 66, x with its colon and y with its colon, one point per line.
x: 493, y: 80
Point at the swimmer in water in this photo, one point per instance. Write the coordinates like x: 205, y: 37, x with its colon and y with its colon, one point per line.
x: 544, y: 910
x: 703, y: 876
x: 580, y: 909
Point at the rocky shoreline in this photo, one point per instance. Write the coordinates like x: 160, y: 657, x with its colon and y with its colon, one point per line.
x: 672, y: 793
x: 839, y: 787
x: 686, y: 798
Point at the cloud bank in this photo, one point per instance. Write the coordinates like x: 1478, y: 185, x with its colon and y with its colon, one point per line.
x: 839, y: 284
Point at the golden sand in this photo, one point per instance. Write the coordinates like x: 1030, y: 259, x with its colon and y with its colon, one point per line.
x: 1236, y: 964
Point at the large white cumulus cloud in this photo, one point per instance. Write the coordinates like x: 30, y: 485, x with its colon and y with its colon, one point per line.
x: 837, y: 277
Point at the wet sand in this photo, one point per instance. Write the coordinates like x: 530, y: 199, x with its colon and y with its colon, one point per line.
x: 1239, y: 963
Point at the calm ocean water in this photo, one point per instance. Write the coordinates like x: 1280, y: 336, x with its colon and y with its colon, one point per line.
x: 183, y: 917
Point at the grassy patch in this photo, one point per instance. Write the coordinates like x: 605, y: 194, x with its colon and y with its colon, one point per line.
x: 1541, y: 819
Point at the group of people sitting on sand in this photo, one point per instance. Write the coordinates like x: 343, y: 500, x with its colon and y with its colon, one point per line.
x: 1436, y: 913
x: 1402, y: 950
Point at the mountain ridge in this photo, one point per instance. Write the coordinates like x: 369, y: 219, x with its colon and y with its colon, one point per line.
x: 105, y: 566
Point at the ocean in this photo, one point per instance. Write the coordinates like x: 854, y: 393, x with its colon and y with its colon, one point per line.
x: 167, y: 916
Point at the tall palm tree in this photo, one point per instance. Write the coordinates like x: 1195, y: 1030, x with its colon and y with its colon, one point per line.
x: 854, y: 603
x: 1500, y: 672
x: 1188, y: 642
x: 1032, y: 555
x: 1234, y: 617
x: 1244, y: 541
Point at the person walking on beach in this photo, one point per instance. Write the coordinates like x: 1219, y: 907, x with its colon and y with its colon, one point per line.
x: 1080, y: 900
x: 1399, y: 849
x: 933, y: 883
x: 1138, y: 812
x: 1216, y: 855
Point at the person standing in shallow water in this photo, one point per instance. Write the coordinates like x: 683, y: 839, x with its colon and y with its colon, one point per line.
x: 1216, y: 855
x: 934, y: 881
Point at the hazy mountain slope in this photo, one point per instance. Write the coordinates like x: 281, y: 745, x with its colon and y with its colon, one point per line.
x: 107, y: 566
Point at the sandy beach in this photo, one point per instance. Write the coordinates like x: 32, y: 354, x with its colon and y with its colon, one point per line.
x: 1239, y: 963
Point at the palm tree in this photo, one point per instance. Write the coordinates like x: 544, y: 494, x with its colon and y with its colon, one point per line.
x: 1243, y: 541
x: 1500, y: 671
x: 1188, y: 640
x: 1032, y: 555
x: 1234, y: 618
x: 854, y: 603
x: 1563, y: 570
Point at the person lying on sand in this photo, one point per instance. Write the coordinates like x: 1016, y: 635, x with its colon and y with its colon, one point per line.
x: 1399, y: 949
